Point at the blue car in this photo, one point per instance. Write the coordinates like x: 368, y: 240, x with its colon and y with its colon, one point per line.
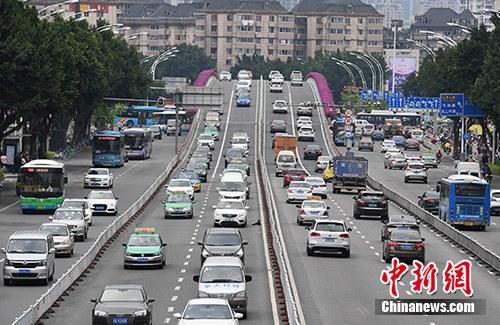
x: 243, y: 101
x: 399, y: 140
x: 378, y: 136
x: 340, y: 139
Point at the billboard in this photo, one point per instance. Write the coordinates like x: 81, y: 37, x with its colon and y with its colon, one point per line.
x: 404, y: 68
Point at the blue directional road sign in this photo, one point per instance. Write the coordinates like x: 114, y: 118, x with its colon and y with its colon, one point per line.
x: 452, y: 104
x: 348, y: 135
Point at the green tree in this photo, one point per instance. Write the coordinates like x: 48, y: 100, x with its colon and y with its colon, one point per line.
x: 188, y: 62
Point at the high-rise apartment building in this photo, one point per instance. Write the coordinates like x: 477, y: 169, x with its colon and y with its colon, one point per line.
x: 391, y: 9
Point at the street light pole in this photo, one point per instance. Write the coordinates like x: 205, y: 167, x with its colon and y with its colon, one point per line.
x: 341, y: 64
x: 423, y: 46
x: 377, y: 64
x: 361, y: 74
x: 178, y: 101
x: 370, y: 65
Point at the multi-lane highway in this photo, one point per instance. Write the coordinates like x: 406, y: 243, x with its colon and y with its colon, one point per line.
x: 331, y: 289
x: 130, y: 182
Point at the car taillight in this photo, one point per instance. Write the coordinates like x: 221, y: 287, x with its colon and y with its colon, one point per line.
x: 428, y: 200
x: 302, y: 177
x: 302, y: 211
x: 383, y: 204
x: 392, y: 244
x: 315, y: 234
x: 361, y: 202
x: 344, y: 236
x: 290, y: 190
x: 420, y: 245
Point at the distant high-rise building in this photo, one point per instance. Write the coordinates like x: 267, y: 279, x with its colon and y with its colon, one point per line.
x: 478, y: 7
x: 391, y: 9
x: 422, y: 6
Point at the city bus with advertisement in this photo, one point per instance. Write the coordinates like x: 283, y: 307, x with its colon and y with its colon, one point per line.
x: 379, y: 117
x: 108, y: 149
x: 41, y: 185
x: 138, y: 143
x: 464, y: 200
x: 143, y: 116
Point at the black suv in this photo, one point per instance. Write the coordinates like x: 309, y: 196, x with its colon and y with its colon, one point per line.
x: 370, y: 203
x: 222, y: 242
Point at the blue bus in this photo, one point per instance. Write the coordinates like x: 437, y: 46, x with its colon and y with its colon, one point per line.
x: 136, y: 116
x: 464, y: 200
x: 138, y: 143
x: 108, y: 149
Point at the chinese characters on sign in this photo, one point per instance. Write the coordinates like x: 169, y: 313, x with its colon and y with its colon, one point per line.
x: 456, y: 277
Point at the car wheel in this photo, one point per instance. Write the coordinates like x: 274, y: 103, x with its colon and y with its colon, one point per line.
x: 346, y: 253
x: 425, y: 180
x: 298, y: 221
x: 51, y: 277
x: 125, y: 266
x: 385, y: 167
x: 6, y: 282
x: 387, y: 259
x: 72, y: 252
x: 85, y: 235
x: 356, y: 216
x: 309, y: 251
x: 406, y: 180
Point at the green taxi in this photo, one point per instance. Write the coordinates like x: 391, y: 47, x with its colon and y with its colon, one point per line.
x: 212, y: 130
x: 178, y: 205
x: 430, y: 161
x: 144, y: 248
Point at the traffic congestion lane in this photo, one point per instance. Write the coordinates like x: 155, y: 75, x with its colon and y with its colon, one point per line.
x: 394, y: 179
x: 173, y: 286
x: 138, y: 173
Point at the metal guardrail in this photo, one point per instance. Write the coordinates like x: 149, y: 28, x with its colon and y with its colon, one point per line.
x: 482, y: 252
x: 45, y: 302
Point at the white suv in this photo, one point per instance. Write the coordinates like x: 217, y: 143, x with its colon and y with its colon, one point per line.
x: 328, y: 236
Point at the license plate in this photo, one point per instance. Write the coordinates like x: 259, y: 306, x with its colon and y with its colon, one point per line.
x: 142, y: 259
x: 372, y: 205
x: 406, y: 247
x: 99, y: 208
x: 468, y: 223
x: 329, y: 240
x: 300, y: 191
x: 24, y: 271
x: 120, y: 321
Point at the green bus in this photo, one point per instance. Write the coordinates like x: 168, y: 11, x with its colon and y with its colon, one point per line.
x: 41, y: 185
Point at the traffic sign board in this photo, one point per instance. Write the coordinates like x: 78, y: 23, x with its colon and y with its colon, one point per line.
x: 348, y: 113
x: 348, y: 120
x: 467, y: 136
x: 452, y: 104
x: 348, y: 134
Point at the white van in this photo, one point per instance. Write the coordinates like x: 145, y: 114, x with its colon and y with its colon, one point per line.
x: 360, y: 123
x: 417, y: 135
x: 233, y: 186
x: 284, y: 161
x: 368, y: 129
x: 468, y: 168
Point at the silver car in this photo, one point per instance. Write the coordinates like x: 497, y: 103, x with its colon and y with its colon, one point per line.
x: 80, y: 204
x: 416, y: 172
x: 64, y: 240
x: 74, y: 218
x: 318, y: 186
x: 395, y: 161
x: 311, y: 210
x: 328, y: 236
x: 322, y: 163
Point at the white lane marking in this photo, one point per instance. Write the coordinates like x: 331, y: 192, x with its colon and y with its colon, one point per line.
x: 174, y: 298
x: 167, y: 320
x: 371, y: 247
x: 180, y: 279
x: 190, y: 250
x: 359, y: 232
x: 226, y: 127
x: 377, y: 254
x: 9, y: 206
x: 366, y: 241
x: 177, y: 288
x: 183, y: 271
x: 186, y: 263
x: 409, y: 293
x: 297, y: 152
x: 363, y: 237
x: 188, y: 256
x: 170, y: 309
x: 191, y: 243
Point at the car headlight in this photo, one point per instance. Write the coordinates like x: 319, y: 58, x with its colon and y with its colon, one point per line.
x: 240, y: 252
x: 6, y: 262
x: 241, y: 294
x: 140, y: 313
x: 186, y: 209
x: 202, y: 294
x: 205, y: 253
x: 170, y: 209
x: 42, y: 263
x: 99, y: 313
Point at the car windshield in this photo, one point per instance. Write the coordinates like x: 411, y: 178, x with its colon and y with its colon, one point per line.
x: 223, y: 240
x: 55, y: 230
x: 68, y: 215
x: 403, y: 235
x: 299, y: 185
x: 330, y: 226
x: 143, y: 240
x: 214, y: 274
x: 196, y: 166
x: 313, y: 205
x: 239, y: 140
x: 207, y: 312
x: 373, y: 196
x: 202, y: 149
x: 229, y: 205
x: 35, y: 246
x: 101, y: 195
x: 118, y: 295
x: 178, y: 199
x: 279, y: 122
x: 286, y: 158
x: 211, y: 129
x: 179, y: 183
x: 234, y: 153
x: 205, y: 137
x: 97, y: 172
x: 72, y: 204
x: 279, y: 104
x: 232, y: 186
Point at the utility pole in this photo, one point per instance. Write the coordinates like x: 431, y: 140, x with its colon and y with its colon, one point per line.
x: 178, y: 102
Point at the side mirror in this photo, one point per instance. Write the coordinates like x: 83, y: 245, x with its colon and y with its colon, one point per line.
x: 308, y: 228
x: 65, y: 179
x: 247, y: 207
x: 354, y: 197
x: 349, y: 229
x: 151, y: 300
x: 214, y: 206
x: 116, y: 198
x: 85, y: 197
x: 248, y: 278
x: 111, y: 175
x: 196, y: 278
x: 244, y: 242
x: 238, y: 315
x: 51, y: 218
x: 52, y: 251
x: 177, y: 315
x: 328, y: 208
x: 163, y: 201
x: 420, y: 196
x: 423, y: 239
x: 163, y: 244
x: 2, y: 250
x: 200, y: 243
x: 94, y: 300
x: 124, y: 245
x: 298, y: 206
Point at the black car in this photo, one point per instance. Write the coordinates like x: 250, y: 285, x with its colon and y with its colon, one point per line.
x: 403, y: 243
x: 123, y: 304
x: 365, y: 144
x: 378, y: 135
x: 396, y: 221
x: 312, y: 152
x: 222, y: 242
x: 233, y: 155
x: 200, y: 169
x: 370, y: 203
x: 429, y: 201
x: 278, y: 126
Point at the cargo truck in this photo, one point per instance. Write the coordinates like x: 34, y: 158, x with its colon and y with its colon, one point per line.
x: 284, y: 142
x: 349, y: 173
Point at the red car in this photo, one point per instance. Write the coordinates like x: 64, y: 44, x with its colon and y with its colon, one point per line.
x: 294, y: 174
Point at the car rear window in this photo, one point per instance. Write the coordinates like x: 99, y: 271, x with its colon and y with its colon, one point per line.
x: 372, y: 195
x: 399, y: 234
x: 331, y: 226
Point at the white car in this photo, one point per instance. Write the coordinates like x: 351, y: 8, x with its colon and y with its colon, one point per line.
x: 318, y: 186
x: 413, y: 160
x: 416, y: 172
x: 304, y: 121
x: 272, y: 73
x: 280, y: 106
x: 278, y: 78
x: 230, y: 212
x: 64, y: 240
x: 206, y: 139
x: 244, y: 84
x: 298, y: 191
x: 322, y: 163
x: 98, y: 177
x: 208, y: 311
x: 244, y: 75
x: 225, y: 76
x: 103, y: 202
x: 74, y: 219
x: 392, y: 152
x: 180, y: 186
x: 495, y: 202
x: 240, y: 172
x: 80, y: 204
x: 240, y: 140
x: 311, y: 210
x: 328, y: 236
x: 276, y: 87
x: 387, y: 144
x: 306, y: 133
